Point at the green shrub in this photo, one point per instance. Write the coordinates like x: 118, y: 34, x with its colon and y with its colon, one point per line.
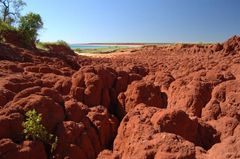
x: 33, y: 129
x: 44, y: 45
x: 78, y: 50
x: 29, y: 25
x: 4, y: 27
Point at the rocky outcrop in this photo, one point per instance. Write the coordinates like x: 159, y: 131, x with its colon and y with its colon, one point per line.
x: 99, y: 85
x: 168, y: 101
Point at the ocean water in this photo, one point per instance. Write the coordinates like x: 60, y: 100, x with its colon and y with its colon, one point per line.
x: 84, y: 46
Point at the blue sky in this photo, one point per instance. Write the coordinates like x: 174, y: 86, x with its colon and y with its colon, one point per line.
x: 78, y: 21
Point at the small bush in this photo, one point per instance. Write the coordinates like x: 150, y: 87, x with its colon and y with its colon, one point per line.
x: 45, y: 45
x: 33, y: 129
x: 4, y: 27
x: 78, y: 50
x: 29, y: 25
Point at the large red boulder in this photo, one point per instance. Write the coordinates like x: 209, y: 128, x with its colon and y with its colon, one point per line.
x: 177, y: 122
x: 189, y: 96
x: 141, y: 92
x: 92, y: 85
x: 160, y: 78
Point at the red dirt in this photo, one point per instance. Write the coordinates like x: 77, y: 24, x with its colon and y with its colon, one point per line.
x: 170, y: 101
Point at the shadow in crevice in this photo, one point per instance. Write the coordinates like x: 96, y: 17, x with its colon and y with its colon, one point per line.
x: 207, y: 136
x: 164, y: 98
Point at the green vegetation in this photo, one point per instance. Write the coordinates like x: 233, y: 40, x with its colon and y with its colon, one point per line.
x: 44, y: 45
x: 25, y: 27
x: 3, y: 28
x: 104, y: 50
x: 61, y: 42
x: 78, y: 50
x: 33, y: 129
x: 29, y: 26
x: 205, y: 43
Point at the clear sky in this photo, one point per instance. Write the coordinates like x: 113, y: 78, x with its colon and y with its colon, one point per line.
x: 77, y: 21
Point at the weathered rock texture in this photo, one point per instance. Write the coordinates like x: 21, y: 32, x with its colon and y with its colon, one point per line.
x: 172, y: 101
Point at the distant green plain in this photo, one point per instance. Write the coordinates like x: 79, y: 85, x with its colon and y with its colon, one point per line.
x: 104, y: 50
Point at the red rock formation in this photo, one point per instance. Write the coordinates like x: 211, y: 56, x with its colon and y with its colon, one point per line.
x: 76, y: 137
x: 175, y: 101
x: 138, y: 138
x: 105, y: 123
x: 96, y: 85
x: 85, y: 136
x: 141, y: 92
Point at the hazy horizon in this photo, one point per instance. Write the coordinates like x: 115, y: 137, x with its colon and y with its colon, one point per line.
x: 154, y: 21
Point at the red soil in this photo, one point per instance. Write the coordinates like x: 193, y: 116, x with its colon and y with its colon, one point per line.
x: 176, y: 101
